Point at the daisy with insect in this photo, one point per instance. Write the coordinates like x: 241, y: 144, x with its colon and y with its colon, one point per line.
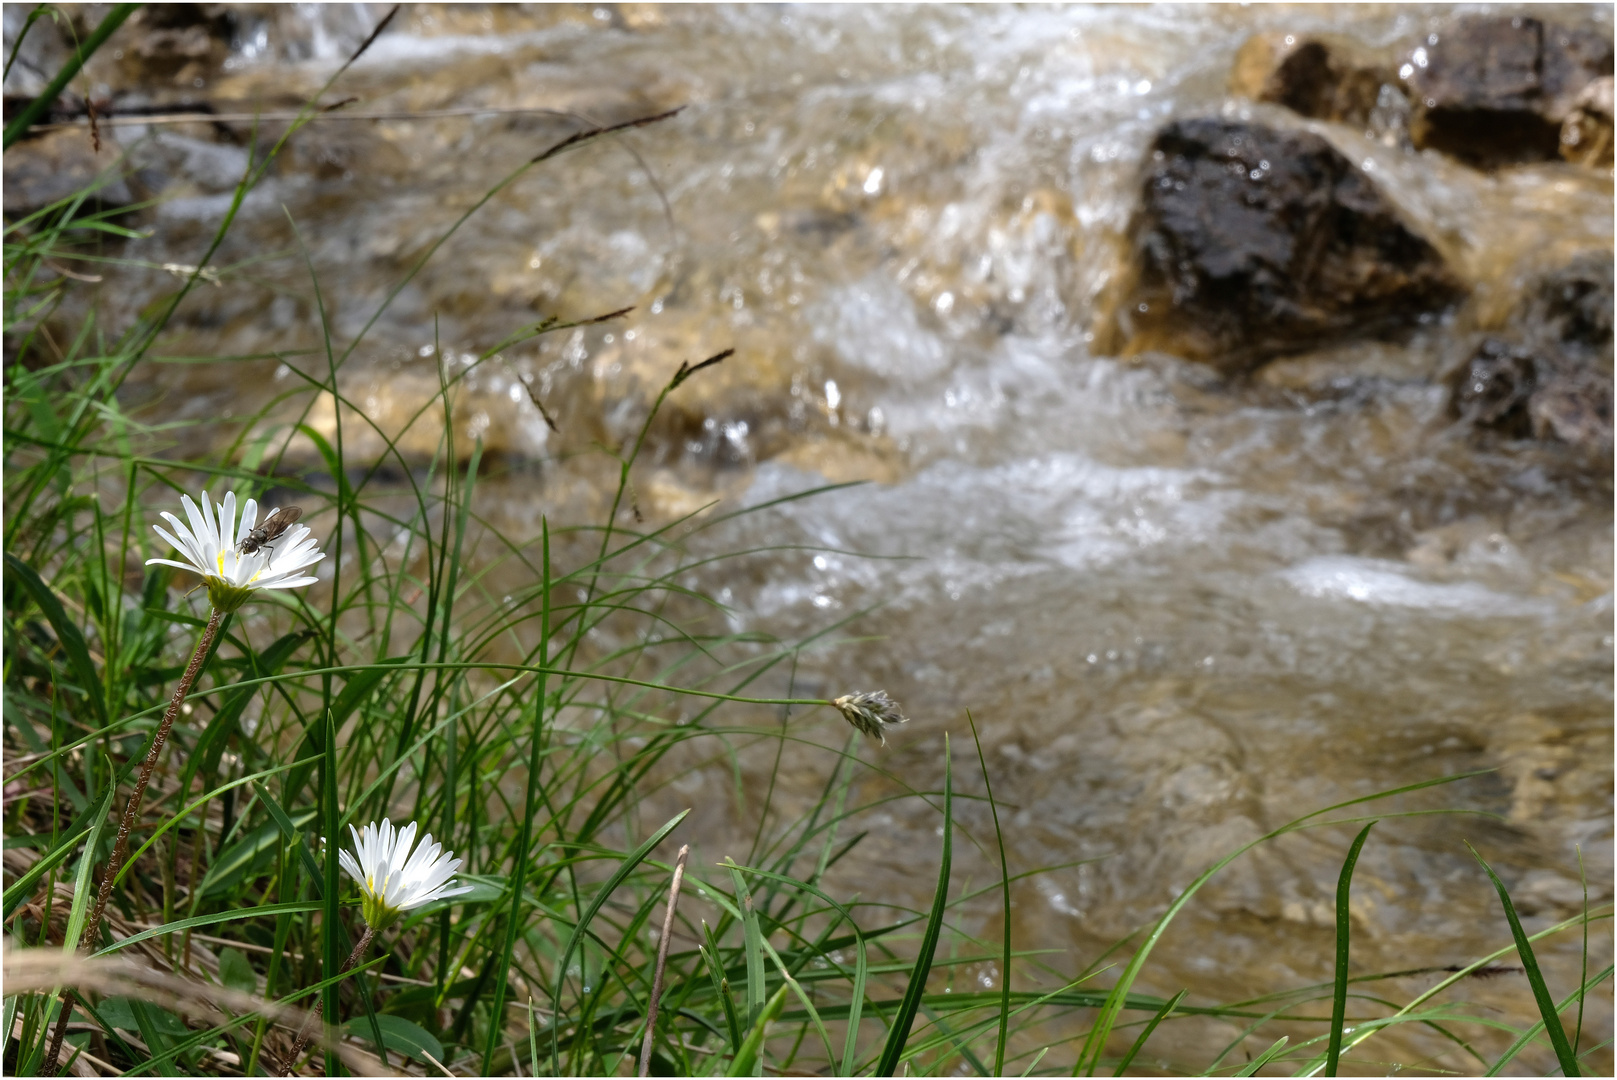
x: 235, y: 560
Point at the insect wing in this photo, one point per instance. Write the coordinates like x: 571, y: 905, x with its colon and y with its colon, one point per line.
x: 278, y: 522
x: 272, y: 527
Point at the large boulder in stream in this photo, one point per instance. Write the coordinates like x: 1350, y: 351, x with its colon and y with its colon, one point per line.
x: 1496, y: 90
x: 1548, y: 373
x: 1250, y: 242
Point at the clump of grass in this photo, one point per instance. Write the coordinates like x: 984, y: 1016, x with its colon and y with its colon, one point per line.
x: 537, y: 729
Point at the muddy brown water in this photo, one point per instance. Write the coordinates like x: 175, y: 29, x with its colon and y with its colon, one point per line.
x: 1182, y: 612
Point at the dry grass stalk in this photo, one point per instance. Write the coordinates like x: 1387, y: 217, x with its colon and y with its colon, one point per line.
x: 45, y: 970
x: 662, y: 960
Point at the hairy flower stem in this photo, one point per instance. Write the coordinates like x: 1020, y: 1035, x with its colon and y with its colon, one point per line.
x: 92, y: 926
x: 306, y: 1032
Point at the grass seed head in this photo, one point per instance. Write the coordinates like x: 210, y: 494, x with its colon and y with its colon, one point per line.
x: 871, y: 713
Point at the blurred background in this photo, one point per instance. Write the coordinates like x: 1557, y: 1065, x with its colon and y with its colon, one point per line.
x: 1195, y: 569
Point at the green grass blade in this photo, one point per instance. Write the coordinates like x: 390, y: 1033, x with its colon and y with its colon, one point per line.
x: 197, y: 921
x: 1095, y: 1043
x: 23, y: 888
x: 1005, y: 909
x: 330, y: 921
x: 1535, y: 977
x: 530, y: 810
x: 1139, y: 1044
x: 747, y: 1059
x: 36, y: 108
x: 1583, y: 968
x: 808, y: 1002
x: 533, y: 1037
x: 625, y: 868
x: 721, y: 986
x: 899, y: 1033
x: 1339, y: 992
x: 1531, y: 1033
x: 72, y: 641
x: 82, y: 890
x: 1251, y: 1067
x: 750, y: 945
x: 293, y: 834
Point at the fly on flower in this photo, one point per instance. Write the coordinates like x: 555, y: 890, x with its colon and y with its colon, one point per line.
x: 236, y: 560
x: 274, y: 525
x: 391, y: 878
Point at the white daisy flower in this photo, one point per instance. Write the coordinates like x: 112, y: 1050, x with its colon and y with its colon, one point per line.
x: 392, y: 879
x: 212, y: 546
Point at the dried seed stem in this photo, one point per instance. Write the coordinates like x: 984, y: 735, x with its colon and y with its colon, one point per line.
x: 307, y: 1031
x: 662, y: 960
x: 120, y: 850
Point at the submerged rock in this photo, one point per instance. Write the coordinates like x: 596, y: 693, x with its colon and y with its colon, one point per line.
x: 182, y: 45
x: 1250, y: 242
x: 58, y: 165
x: 1549, y: 373
x: 1586, y: 133
x: 1495, y: 90
x: 1322, y: 76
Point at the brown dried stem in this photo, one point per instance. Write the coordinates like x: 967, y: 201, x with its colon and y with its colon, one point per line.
x: 662, y: 960
x: 120, y: 850
x: 306, y: 1032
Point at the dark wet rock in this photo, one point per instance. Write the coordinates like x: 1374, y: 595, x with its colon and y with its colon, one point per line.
x: 1586, y: 133
x: 57, y: 165
x: 1548, y: 374
x: 177, y: 44
x: 1493, y: 387
x: 1322, y: 76
x: 1495, y: 90
x: 1250, y: 242
x: 1572, y: 307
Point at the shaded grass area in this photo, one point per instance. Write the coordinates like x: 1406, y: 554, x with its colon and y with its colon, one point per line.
x: 534, y: 702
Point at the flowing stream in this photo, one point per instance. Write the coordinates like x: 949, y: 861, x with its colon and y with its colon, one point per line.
x: 1181, y: 611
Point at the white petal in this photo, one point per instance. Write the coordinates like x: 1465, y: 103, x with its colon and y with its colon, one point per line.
x: 227, y: 520
x: 210, y: 522
x: 171, y: 562
x: 249, y: 518
x: 295, y: 583
x: 183, y: 549
x: 199, y: 527
x: 401, y: 852
x: 187, y: 536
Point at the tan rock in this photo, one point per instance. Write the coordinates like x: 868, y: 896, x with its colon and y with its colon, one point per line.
x: 1586, y: 133
x: 58, y: 165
